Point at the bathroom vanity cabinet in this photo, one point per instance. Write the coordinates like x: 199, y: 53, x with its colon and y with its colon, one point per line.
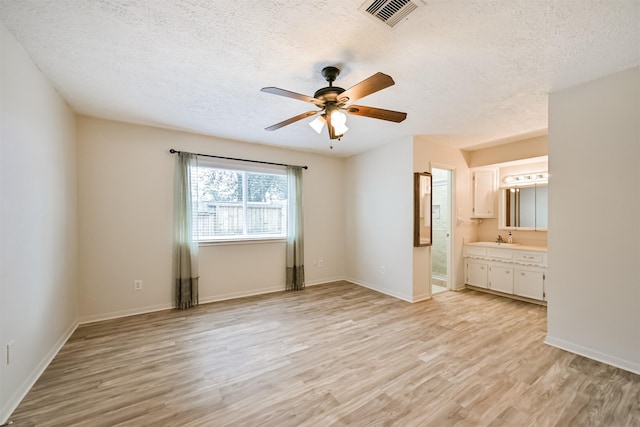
x: 510, y: 270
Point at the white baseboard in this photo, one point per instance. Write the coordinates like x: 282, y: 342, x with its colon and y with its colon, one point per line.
x: 627, y: 365
x: 262, y: 291
x: 124, y: 313
x: 203, y: 300
x: 234, y: 295
x: 325, y: 281
x: 381, y: 290
x: 422, y: 297
x: 8, y: 407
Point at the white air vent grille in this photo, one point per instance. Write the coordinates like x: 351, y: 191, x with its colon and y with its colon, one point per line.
x: 389, y: 12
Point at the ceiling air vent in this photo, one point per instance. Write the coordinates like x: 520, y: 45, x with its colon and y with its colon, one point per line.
x: 389, y: 12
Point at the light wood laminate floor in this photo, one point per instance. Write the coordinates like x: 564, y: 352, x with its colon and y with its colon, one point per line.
x: 332, y: 355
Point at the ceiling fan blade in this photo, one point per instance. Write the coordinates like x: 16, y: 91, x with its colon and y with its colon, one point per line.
x: 376, y: 113
x: 292, y: 120
x: 366, y: 87
x: 294, y: 95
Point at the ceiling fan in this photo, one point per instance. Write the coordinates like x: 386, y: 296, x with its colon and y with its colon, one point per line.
x: 334, y: 101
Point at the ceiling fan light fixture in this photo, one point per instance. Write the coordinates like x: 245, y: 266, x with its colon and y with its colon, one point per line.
x: 318, y: 123
x: 340, y: 129
x: 339, y: 122
x: 338, y: 117
x: 332, y: 101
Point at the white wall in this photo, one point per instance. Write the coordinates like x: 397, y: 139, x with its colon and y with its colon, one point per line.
x: 425, y: 153
x: 594, y: 220
x: 379, y: 219
x: 126, y: 177
x: 38, y: 292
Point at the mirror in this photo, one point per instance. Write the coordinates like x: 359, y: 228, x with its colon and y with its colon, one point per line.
x: 422, y: 209
x: 524, y: 208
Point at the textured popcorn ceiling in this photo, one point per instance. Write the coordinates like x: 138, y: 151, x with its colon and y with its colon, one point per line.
x: 467, y: 72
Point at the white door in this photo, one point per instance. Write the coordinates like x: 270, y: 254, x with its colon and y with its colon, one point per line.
x: 442, y: 220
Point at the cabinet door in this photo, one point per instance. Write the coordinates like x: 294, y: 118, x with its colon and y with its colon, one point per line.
x: 476, y: 273
x: 483, y: 194
x: 501, y: 278
x: 529, y: 283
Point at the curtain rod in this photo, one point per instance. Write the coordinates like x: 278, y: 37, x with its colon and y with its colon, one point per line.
x: 172, y: 151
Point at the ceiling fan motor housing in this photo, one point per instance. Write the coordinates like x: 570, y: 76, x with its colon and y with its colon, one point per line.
x: 329, y: 93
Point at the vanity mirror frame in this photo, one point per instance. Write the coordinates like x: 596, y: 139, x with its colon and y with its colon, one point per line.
x: 422, y: 209
x: 502, y: 202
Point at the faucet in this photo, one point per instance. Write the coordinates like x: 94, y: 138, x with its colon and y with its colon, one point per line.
x: 500, y: 239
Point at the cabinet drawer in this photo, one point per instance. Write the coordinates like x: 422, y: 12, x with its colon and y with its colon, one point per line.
x: 500, y: 253
x: 529, y: 257
x: 474, y: 251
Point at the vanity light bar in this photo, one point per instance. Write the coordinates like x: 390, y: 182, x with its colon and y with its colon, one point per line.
x: 527, y: 178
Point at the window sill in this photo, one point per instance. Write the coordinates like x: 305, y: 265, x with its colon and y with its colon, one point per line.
x: 243, y: 241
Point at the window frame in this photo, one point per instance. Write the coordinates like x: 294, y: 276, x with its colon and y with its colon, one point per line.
x: 245, y: 169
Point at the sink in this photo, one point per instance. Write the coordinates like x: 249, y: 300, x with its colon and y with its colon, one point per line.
x: 494, y: 244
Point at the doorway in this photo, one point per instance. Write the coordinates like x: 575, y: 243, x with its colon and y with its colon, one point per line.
x: 441, y: 265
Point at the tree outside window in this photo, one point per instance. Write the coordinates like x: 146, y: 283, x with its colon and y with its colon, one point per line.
x: 238, y: 204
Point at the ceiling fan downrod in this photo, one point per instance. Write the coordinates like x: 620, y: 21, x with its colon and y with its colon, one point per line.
x: 330, y: 93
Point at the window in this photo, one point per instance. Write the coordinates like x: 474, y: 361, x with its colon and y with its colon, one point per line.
x: 238, y: 204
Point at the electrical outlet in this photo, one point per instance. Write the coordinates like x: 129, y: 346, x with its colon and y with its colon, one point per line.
x: 320, y: 263
x: 382, y: 269
x: 137, y: 285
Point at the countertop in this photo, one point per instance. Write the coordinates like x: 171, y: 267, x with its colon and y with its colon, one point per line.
x: 512, y: 246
